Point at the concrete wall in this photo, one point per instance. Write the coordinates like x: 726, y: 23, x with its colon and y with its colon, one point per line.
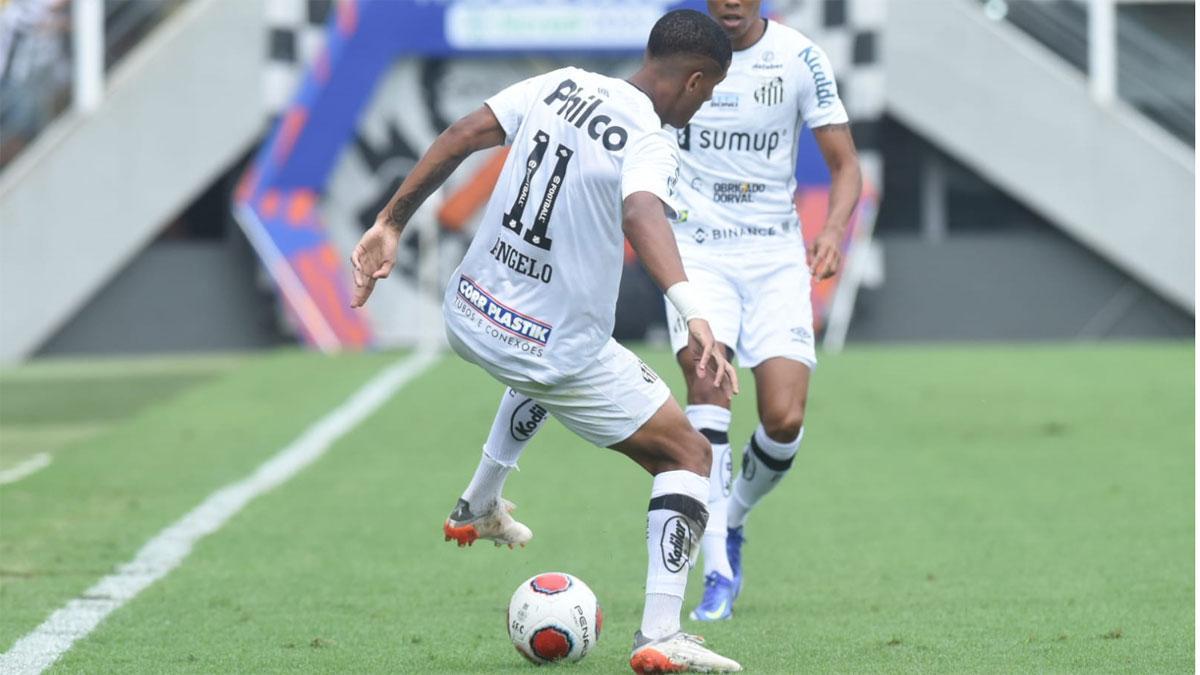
x: 176, y: 296
x: 73, y: 212
x: 1008, y: 286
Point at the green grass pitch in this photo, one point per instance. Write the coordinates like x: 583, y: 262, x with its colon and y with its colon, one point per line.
x: 952, y: 510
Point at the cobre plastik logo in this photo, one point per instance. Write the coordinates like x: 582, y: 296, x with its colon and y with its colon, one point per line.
x: 525, y: 25
x: 505, y: 318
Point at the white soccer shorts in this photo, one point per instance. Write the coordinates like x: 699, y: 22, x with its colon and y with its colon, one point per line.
x: 758, y: 304
x: 604, y: 403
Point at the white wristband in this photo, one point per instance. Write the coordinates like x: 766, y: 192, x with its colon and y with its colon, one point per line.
x: 686, y: 300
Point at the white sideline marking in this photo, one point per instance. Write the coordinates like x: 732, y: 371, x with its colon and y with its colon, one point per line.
x: 26, y: 468
x: 39, y: 649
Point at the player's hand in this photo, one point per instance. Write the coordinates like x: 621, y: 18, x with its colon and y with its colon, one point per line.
x: 707, y: 351
x: 372, y: 259
x: 825, y: 254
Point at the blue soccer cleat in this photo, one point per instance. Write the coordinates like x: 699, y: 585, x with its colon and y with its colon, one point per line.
x: 717, y: 604
x: 733, y: 550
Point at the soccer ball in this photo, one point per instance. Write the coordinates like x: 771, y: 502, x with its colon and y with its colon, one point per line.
x: 554, y: 617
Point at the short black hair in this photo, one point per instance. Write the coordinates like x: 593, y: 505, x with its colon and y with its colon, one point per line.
x: 686, y: 31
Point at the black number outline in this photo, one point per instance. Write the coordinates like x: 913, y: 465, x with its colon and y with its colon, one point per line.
x: 537, y: 233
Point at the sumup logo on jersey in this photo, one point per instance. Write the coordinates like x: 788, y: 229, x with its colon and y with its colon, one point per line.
x: 734, y: 141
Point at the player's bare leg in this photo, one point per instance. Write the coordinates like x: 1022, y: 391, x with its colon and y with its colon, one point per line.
x: 708, y: 411
x: 679, y: 458
x: 782, y: 388
x: 481, y: 513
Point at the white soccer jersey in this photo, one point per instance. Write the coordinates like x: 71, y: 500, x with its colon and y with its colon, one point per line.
x: 738, y: 154
x: 537, y: 290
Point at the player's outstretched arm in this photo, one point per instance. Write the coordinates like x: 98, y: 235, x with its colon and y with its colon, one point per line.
x: 837, y: 147
x: 645, y: 225
x: 375, y: 253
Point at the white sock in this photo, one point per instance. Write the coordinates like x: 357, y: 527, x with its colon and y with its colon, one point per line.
x: 517, y: 420
x: 674, y: 521
x: 764, y: 463
x: 713, y: 422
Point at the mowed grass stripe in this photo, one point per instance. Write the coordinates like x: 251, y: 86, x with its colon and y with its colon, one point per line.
x: 68, y: 525
x: 953, y: 510
x: 37, y: 650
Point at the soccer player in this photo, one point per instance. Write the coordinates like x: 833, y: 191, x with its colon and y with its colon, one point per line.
x: 533, y: 300
x: 740, y: 239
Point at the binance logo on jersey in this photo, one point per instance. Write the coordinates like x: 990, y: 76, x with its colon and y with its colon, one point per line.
x: 578, y: 107
x: 770, y: 93
x: 736, y: 193
x: 823, y: 83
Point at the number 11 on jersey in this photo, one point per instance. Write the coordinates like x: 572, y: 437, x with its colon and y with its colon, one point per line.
x: 537, y: 234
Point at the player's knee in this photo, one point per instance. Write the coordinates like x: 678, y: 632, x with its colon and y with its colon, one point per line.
x: 784, y: 425
x: 691, y: 452
x: 702, y: 392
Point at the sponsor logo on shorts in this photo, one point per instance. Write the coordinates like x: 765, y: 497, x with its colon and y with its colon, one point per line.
x: 675, y: 542
x: 736, y: 193
x: 526, y: 419
x: 500, y: 315
x: 802, y: 334
x: 648, y: 373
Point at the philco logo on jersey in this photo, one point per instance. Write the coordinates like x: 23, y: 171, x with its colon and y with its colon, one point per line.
x: 577, y: 108
x: 734, y: 141
x: 505, y: 318
x: 825, y: 87
x: 736, y: 193
x: 770, y: 93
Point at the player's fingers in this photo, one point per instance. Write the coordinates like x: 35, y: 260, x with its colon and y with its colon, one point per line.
x: 835, y: 262
x: 719, y: 364
x: 362, y: 293
x: 814, y: 259
x: 733, y: 379
x: 705, y: 354
x: 356, y: 265
x: 822, y: 269
x: 384, y: 269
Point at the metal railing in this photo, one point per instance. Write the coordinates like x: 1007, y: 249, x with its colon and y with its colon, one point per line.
x: 54, y: 55
x: 1123, y: 57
